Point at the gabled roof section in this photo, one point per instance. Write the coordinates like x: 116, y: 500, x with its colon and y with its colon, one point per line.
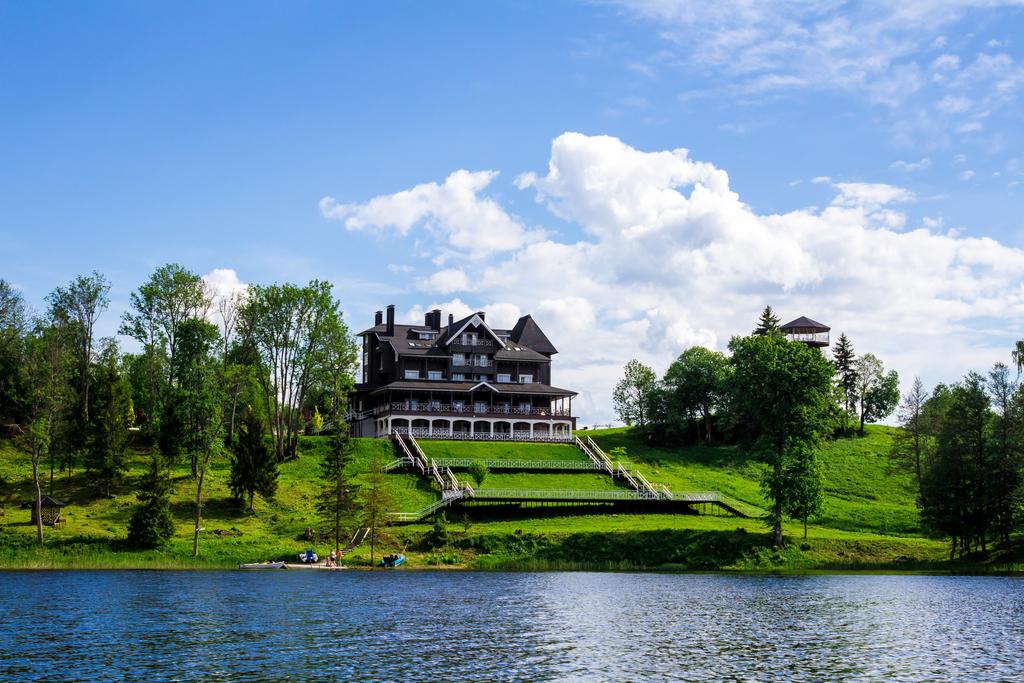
x: 804, y: 323
x: 483, y: 384
x: 472, y: 321
x: 528, y: 333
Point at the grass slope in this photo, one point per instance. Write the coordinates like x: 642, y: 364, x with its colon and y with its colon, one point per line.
x: 869, y: 521
x: 863, y: 493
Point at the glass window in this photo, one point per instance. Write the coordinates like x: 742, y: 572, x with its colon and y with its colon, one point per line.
x: 526, y: 379
x: 412, y: 374
x: 458, y: 377
x: 458, y: 359
x: 479, y: 407
x: 435, y: 374
x: 504, y: 378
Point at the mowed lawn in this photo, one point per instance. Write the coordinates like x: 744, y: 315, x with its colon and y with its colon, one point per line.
x: 863, y: 490
x: 500, y: 450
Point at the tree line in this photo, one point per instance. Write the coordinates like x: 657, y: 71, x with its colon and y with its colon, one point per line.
x: 237, y: 375
x: 777, y: 397
x: 964, y: 445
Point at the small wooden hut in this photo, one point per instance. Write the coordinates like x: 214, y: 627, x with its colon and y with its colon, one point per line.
x: 50, y: 511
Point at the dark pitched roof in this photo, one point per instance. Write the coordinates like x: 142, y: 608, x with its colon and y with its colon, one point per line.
x: 528, y: 333
x: 803, y: 322
x: 48, y: 502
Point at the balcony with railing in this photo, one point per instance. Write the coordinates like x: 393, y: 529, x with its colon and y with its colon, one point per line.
x: 473, y: 345
x: 474, y: 363
x: 811, y: 338
x: 471, y: 410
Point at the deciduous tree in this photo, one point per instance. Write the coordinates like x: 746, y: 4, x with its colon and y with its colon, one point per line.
x: 878, y: 392
x: 785, y: 390
x: 697, y: 381
x: 633, y: 393
x: 301, y: 339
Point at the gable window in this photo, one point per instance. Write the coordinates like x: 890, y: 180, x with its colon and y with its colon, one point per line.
x: 526, y: 379
x: 504, y: 378
x: 412, y: 374
x: 434, y: 374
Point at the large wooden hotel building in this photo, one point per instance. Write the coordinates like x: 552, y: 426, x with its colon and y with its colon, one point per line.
x: 460, y: 380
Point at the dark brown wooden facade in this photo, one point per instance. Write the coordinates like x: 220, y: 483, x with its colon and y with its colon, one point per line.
x: 462, y: 379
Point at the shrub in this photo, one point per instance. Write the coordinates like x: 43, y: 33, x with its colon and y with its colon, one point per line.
x: 478, y: 472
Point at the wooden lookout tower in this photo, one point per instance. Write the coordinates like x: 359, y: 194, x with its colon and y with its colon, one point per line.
x: 808, y: 331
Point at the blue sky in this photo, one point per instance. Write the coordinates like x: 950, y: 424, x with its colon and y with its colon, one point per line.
x: 873, y: 159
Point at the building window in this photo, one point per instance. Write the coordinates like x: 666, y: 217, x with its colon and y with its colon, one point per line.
x: 504, y: 378
x: 481, y: 360
x: 526, y: 379
x: 525, y: 408
x: 458, y: 359
x: 412, y: 374
x: 458, y: 406
x: 458, y: 377
x: 414, y: 404
x: 434, y: 374
x: 479, y: 407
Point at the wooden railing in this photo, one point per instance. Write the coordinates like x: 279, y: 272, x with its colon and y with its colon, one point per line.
x: 507, y: 464
x: 470, y: 409
x: 423, y: 433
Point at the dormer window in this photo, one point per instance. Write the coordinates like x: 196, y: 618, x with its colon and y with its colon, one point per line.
x: 428, y: 335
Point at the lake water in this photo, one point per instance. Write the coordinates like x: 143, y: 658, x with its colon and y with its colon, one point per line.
x: 442, y: 626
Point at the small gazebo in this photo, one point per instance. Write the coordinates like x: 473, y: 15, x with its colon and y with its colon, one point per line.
x: 49, y: 509
x: 808, y: 331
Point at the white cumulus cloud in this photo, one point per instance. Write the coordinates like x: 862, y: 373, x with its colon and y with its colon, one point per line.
x: 673, y: 257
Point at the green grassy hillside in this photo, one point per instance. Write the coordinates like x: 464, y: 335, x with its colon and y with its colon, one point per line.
x: 869, y: 520
x: 863, y: 493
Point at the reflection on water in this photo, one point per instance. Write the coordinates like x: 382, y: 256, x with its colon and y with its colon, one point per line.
x: 101, y: 626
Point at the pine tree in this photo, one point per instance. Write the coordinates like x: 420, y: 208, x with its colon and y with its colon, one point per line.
x: 253, y: 465
x: 768, y: 323
x: 110, y: 420
x: 151, y: 524
x: 335, y: 503
x: 846, y: 369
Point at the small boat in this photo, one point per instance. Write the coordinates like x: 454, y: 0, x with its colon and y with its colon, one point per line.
x: 392, y: 560
x: 262, y: 565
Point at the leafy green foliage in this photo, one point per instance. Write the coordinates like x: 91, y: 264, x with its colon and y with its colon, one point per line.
x: 696, y: 385
x: 633, y: 394
x: 304, y: 348
x: 478, y: 472
x: 782, y: 390
x: 111, y: 417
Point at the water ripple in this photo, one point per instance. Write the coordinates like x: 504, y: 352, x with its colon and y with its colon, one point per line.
x: 232, y: 626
